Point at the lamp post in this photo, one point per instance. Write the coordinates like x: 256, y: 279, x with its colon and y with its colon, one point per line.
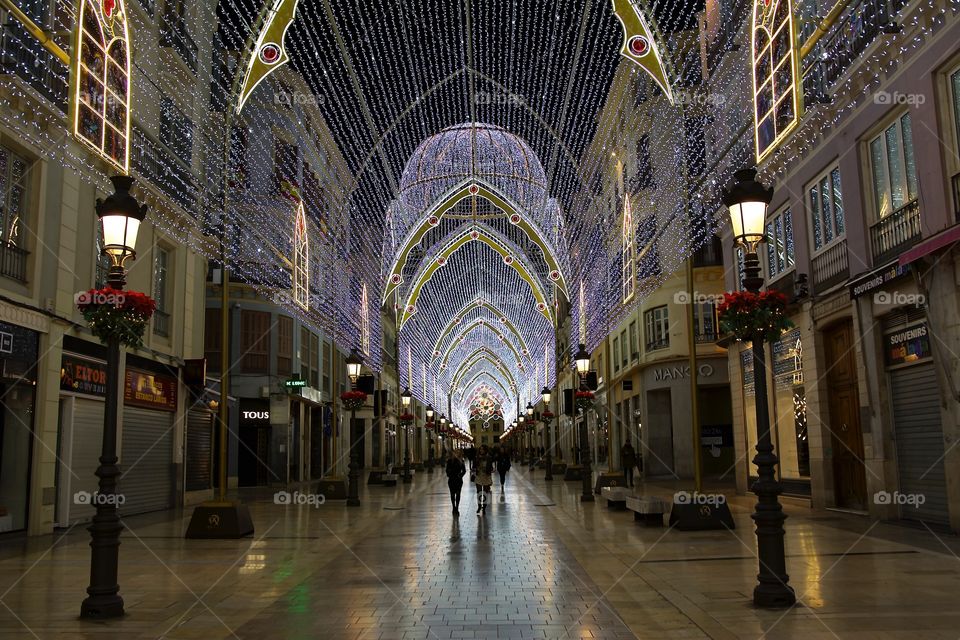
x: 532, y: 438
x: 547, y: 427
x: 120, y: 216
x: 354, y: 363
x: 405, y: 398
x: 582, y: 360
x: 429, y: 414
x: 747, y: 202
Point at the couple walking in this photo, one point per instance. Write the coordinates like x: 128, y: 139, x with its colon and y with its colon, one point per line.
x: 482, y: 475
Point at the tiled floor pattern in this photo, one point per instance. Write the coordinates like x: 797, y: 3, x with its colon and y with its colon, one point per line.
x: 538, y: 565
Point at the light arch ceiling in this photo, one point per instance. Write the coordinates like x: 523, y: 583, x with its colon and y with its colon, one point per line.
x: 483, y: 326
x: 479, y: 309
x: 483, y: 380
x: 483, y: 360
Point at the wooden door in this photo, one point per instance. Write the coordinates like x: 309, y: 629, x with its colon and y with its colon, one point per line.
x: 846, y: 434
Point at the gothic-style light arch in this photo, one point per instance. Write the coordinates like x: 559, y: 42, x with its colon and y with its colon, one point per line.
x: 481, y: 374
x: 480, y: 323
x: 640, y: 43
x: 775, y: 70
x: 100, y: 99
x: 474, y: 187
x: 472, y: 233
x: 301, y: 258
x: 629, y: 251
x: 482, y: 303
x: 482, y: 353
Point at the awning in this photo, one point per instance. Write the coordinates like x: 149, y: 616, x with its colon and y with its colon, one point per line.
x: 943, y: 239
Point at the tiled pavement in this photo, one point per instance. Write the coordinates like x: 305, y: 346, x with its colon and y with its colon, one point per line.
x: 539, y: 564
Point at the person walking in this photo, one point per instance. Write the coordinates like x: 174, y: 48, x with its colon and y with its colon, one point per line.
x: 455, y: 472
x: 503, y: 465
x: 629, y: 459
x: 483, y: 476
x: 471, y: 456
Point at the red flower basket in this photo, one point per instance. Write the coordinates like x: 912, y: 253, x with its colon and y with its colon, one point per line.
x: 546, y: 417
x: 747, y: 315
x: 353, y: 400
x: 115, y: 313
x: 406, y: 419
x: 584, y: 399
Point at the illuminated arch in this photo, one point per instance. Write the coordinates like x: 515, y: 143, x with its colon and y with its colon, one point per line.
x: 776, y: 75
x: 365, y: 322
x: 481, y: 323
x: 640, y: 43
x: 100, y: 97
x: 468, y: 234
x: 482, y: 304
x: 301, y: 258
x: 473, y: 187
x: 482, y: 353
x: 629, y: 255
x: 470, y: 385
x: 269, y: 51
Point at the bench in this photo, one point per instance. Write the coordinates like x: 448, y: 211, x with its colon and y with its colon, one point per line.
x: 647, y: 509
x: 389, y: 479
x: 616, y: 497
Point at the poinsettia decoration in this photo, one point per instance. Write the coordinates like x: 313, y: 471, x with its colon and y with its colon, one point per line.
x: 353, y: 400
x: 546, y: 417
x: 584, y: 399
x: 114, y: 313
x: 747, y: 315
x: 406, y: 419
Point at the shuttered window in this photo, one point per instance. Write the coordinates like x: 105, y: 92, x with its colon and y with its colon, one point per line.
x: 255, y: 341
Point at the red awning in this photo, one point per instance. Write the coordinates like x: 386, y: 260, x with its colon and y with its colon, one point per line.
x: 943, y: 239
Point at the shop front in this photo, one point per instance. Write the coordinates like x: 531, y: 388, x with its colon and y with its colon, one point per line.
x: 254, y: 460
x: 18, y: 358
x: 148, y: 470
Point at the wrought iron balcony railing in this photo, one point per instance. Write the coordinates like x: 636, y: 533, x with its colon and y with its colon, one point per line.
x: 13, y: 262
x: 174, y: 34
x: 655, y: 345
x: 162, y: 170
x: 22, y: 55
x: 161, y: 323
x: 831, y: 267
x: 895, y: 233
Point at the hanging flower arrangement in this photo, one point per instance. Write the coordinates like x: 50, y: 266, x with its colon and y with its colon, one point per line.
x: 406, y: 419
x: 584, y: 399
x: 546, y: 417
x: 114, y: 313
x: 746, y: 315
x: 353, y: 400
x: 429, y: 426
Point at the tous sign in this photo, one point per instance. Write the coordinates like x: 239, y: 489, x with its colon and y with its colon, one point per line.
x: 256, y: 415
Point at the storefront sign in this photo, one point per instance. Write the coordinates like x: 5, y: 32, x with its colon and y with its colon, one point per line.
x: 295, y: 383
x: 255, y: 415
x: 150, y: 390
x: 254, y: 412
x: 876, y: 279
x: 80, y: 375
x: 907, y: 345
x: 679, y: 373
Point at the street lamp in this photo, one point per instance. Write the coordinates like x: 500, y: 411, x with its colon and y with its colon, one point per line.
x: 747, y: 202
x: 428, y: 412
x: 547, y: 428
x: 582, y: 361
x: 120, y: 216
x: 354, y: 363
x: 531, y: 439
x: 405, y: 398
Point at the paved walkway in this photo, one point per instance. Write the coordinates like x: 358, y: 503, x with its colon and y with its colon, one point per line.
x: 539, y: 564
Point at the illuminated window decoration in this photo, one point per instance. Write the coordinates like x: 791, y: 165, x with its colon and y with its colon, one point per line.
x: 269, y: 53
x: 776, y: 75
x: 301, y: 258
x: 364, y: 321
x: 583, y: 314
x: 640, y: 43
x: 629, y: 252
x: 101, y: 77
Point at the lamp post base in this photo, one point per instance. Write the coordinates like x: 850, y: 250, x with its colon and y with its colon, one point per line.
x: 774, y: 596
x: 220, y: 520
x: 102, y: 606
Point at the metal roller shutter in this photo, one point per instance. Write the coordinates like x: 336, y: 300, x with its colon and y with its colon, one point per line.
x: 919, y: 437
x: 86, y: 441
x: 147, y: 460
x: 199, y: 454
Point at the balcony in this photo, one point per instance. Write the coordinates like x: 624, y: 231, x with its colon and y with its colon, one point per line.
x: 708, y: 337
x: 13, y: 262
x: 174, y: 34
x: 895, y: 233
x: 21, y: 55
x: 161, y: 323
x: 955, y: 182
x: 831, y: 267
x: 163, y: 171
x: 656, y: 345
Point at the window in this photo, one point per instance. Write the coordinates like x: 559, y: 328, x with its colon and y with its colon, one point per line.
x: 301, y: 259
x: 629, y: 248
x: 775, y: 92
x: 706, y: 322
x: 326, y: 367
x: 634, y: 352
x: 176, y: 130
x: 695, y: 150
x: 314, y: 360
x: 644, y: 171
x: 254, y: 341
x: 102, y: 268
x: 955, y: 92
x: 623, y: 345
x: 616, y: 354
x: 239, y: 142
x: 13, y: 179
x: 780, y: 250
x: 892, y: 166
x: 284, y: 345
x: 286, y: 167
x: 161, y: 292
x: 304, y: 353
x: 826, y: 209
x: 211, y: 339
x: 656, y: 325
x: 101, y: 104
